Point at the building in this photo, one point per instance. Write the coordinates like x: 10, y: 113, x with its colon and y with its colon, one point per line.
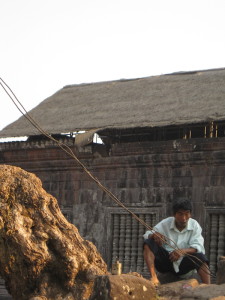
x: 162, y: 137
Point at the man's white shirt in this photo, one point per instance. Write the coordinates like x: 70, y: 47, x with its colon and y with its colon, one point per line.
x: 189, y: 237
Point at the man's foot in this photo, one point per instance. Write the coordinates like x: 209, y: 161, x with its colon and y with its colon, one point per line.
x: 155, y: 281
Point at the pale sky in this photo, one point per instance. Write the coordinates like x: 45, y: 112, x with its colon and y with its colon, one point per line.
x: 47, y: 44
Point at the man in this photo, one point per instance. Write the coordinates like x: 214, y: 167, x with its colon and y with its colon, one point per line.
x: 176, y: 245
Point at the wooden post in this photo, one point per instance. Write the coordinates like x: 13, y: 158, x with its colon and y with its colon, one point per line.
x: 211, y: 127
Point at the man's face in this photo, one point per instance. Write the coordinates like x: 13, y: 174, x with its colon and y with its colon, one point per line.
x: 181, y: 218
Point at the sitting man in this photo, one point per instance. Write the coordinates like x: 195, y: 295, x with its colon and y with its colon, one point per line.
x: 176, y: 245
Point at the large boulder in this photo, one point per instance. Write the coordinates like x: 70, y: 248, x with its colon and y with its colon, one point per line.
x: 42, y: 255
x: 123, y: 287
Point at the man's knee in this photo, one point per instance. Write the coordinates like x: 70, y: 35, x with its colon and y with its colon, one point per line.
x: 151, y: 245
x: 200, y: 259
x: 145, y: 246
x: 146, y: 249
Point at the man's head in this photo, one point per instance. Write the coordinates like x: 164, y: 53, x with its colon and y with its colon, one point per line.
x: 182, y: 212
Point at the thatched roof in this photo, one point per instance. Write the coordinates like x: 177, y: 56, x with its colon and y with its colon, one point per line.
x: 174, y: 99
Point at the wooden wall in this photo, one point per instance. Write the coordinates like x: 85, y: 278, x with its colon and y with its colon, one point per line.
x: 145, y: 176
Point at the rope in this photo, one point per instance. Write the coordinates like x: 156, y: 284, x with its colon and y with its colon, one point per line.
x: 69, y: 151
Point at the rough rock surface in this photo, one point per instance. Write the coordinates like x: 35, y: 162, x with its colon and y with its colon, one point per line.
x: 205, y: 292
x: 42, y: 255
x: 123, y: 287
x: 174, y: 290
x: 190, y: 290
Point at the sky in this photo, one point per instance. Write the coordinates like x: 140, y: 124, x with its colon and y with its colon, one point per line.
x: 48, y: 44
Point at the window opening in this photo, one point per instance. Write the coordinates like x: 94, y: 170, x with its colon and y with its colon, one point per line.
x: 216, y: 239
x: 127, y: 241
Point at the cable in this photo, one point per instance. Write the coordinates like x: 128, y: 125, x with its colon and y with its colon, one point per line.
x: 69, y: 151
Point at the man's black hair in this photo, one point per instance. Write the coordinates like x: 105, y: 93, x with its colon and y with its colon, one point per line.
x: 183, y: 204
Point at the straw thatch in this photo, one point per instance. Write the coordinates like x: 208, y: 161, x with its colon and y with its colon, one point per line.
x: 179, y: 98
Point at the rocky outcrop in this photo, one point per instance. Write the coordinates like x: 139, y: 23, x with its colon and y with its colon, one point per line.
x: 42, y: 256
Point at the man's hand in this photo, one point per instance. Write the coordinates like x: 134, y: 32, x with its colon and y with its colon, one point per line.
x: 175, y: 255
x: 158, y: 238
